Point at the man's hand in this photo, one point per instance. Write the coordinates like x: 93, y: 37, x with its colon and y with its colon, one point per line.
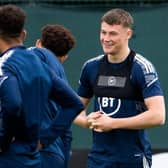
x: 92, y: 117
x: 103, y: 124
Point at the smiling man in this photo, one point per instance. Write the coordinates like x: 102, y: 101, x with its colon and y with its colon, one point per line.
x: 128, y: 98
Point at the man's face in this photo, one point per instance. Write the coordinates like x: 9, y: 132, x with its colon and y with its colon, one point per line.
x: 113, y: 38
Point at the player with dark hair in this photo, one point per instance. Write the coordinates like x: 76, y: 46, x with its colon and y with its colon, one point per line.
x: 57, y: 39
x: 53, y: 47
x: 128, y: 98
x: 26, y: 84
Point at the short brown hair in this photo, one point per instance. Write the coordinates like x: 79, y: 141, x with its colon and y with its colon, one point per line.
x: 12, y: 20
x: 58, y: 39
x: 118, y: 16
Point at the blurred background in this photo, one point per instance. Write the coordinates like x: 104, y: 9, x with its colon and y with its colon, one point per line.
x: 82, y: 17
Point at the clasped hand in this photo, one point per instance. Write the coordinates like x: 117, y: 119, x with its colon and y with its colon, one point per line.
x: 99, y: 121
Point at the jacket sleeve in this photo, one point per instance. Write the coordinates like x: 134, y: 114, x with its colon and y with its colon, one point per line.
x: 10, y: 105
x: 71, y: 106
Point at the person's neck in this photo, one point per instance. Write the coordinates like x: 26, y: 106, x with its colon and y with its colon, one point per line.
x: 118, y: 57
x: 7, y: 45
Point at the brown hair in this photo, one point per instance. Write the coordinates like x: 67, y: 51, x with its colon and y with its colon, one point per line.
x: 118, y: 17
x: 12, y: 20
x: 58, y: 39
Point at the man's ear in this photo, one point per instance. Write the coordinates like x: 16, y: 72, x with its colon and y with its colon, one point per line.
x: 129, y: 33
x: 23, y: 35
x: 38, y: 43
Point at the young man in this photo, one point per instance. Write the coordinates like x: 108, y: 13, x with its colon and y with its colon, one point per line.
x: 128, y: 98
x: 26, y: 84
x: 53, y: 47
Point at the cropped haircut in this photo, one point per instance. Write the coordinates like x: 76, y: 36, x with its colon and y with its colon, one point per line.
x: 12, y: 20
x: 58, y: 39
x: 118, y: 16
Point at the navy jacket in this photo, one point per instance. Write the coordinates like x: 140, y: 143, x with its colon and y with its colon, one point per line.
x: 26, y: 84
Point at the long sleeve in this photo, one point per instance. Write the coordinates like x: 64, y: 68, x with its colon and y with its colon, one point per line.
x: 10, y: 100
x: 71, y: 105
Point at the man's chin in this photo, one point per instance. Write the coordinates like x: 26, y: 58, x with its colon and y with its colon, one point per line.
x: 109, y: 52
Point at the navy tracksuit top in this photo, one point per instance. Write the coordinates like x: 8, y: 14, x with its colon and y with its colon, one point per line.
x: 25, y: 86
